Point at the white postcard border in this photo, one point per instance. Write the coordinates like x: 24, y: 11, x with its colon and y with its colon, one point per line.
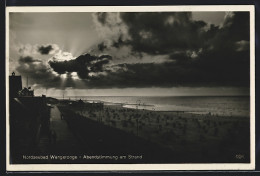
x: 137, y: 167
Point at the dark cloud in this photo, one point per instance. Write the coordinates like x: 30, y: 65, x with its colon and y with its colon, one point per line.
x: 37, y: 72
x: 102, y: 46
x: 198, y: 54
x: 83, y: 65
x: 166, y: 75
x: 28, y: 59
x: 101, y: 16
x: 45, y: 50
x: 159, y: 32
x: 222, y: 56
x: 28, y: 49
x: 163, y: 33
x: 201, y: 54
x: 119, y: 42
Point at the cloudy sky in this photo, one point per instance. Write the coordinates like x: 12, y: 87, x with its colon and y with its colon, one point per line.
x: 153, y: 53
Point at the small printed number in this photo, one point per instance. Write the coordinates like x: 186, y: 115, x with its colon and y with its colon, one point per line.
x: 240, y: 156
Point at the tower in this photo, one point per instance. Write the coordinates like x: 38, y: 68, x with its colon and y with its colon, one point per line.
x: 15, y: 85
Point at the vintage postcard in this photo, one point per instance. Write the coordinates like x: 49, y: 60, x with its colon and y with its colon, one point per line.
x: 130, y: 88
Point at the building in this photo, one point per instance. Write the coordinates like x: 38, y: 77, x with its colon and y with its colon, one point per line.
x: 15, y: 85
x: 29, y: 119
x: 26, y: 92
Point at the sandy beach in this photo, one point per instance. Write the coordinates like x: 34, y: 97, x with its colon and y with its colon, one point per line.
x: 201, y: 135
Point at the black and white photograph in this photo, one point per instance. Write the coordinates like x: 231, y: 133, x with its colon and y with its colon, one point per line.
x: 131, y: 87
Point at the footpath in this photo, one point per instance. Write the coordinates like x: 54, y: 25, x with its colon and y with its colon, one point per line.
x: 61, y: 140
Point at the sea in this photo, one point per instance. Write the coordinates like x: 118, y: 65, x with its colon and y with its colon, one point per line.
x: 214, y: 105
